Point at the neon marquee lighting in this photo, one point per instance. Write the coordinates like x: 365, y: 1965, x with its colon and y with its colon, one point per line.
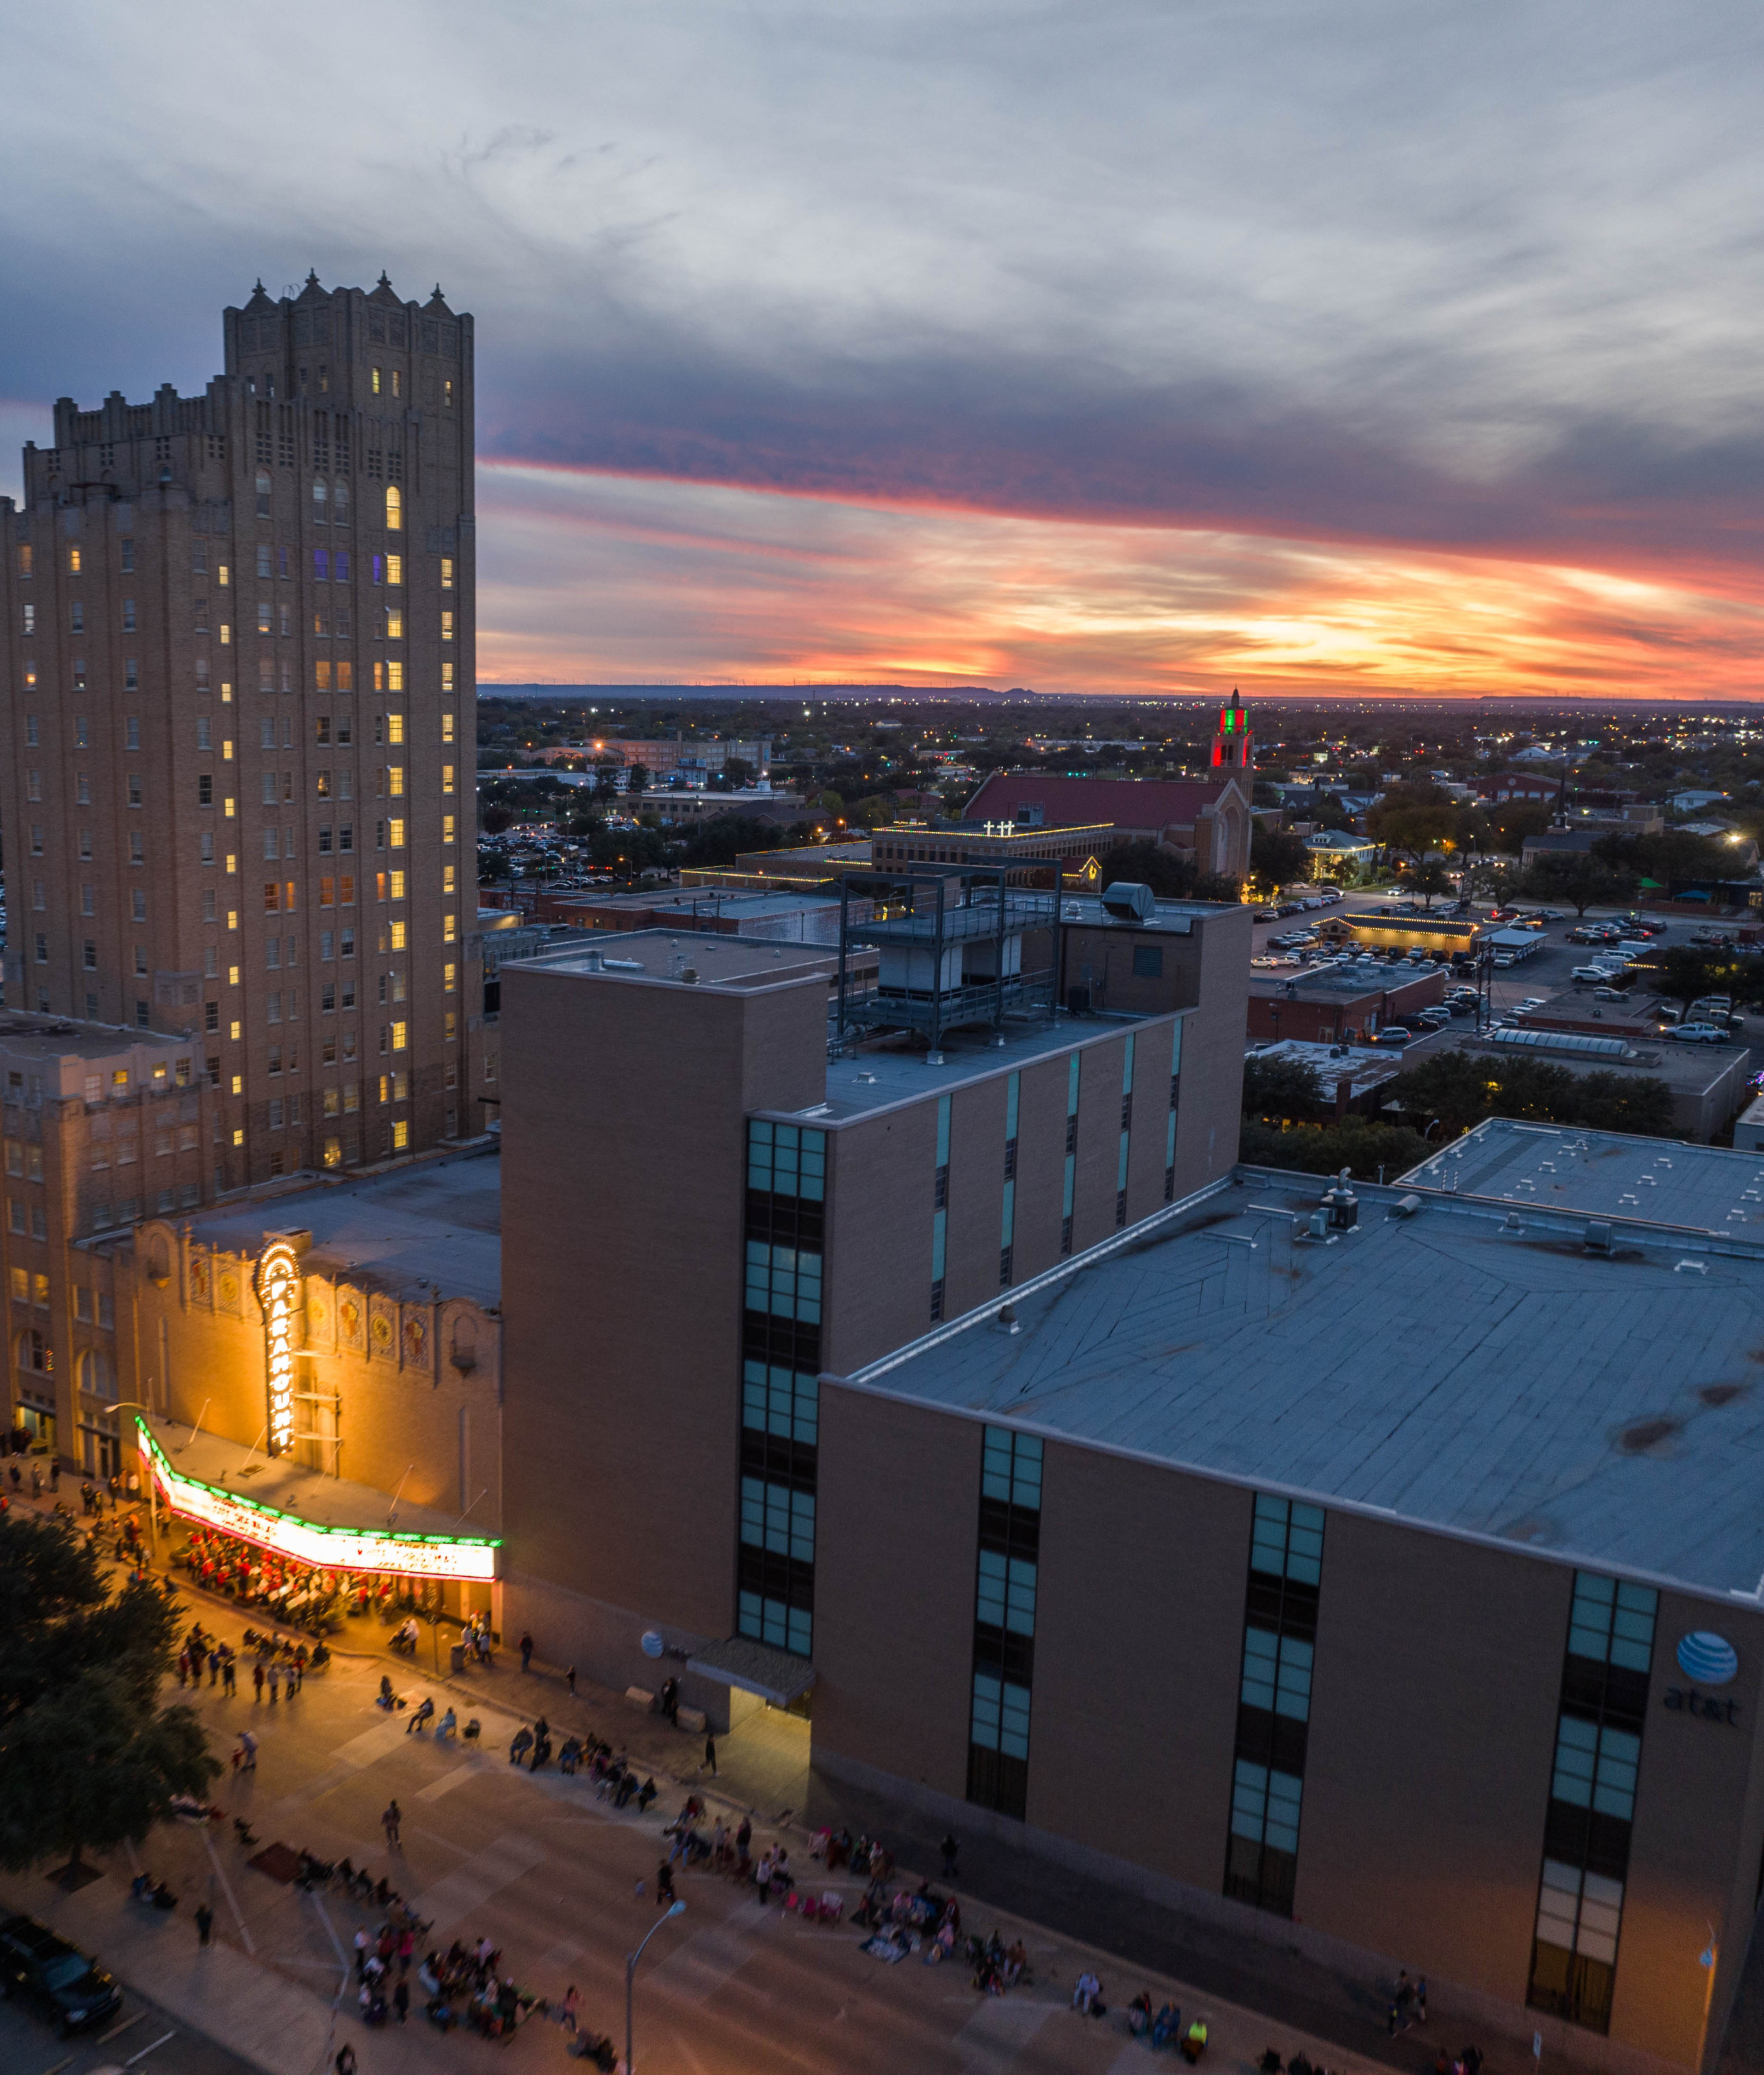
x: 279, y: 1292
x: 462, y: 1558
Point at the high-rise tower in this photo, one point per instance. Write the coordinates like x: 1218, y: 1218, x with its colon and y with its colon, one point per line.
x: 1234, y: 743
x: 237, y: 685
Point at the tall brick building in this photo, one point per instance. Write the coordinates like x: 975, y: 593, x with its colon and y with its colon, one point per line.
x: 237, y: 682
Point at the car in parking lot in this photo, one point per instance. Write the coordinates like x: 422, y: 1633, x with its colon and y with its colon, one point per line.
x: 1598, y: 975
x: 1394, y: 1035
x: 36, y: 1963
x: 1610, y: 994
x: 1267, y: 914
x: 1700, y: 1033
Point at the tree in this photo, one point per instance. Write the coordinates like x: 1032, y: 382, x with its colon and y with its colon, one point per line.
x: 1579, y: 879
x: 1279, y: 1087
x: 1671, y: 858
x: 1364, y: 1148
x: 494, y: 818
x: 1170, y: 877
x: 1276, y: 857
x: 1683, y: 973
x: 1431, y: 876
x: 88, y: 1759
x: 637, y: 779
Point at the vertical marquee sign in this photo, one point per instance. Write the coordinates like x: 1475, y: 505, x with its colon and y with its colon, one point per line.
x: 279, y: 1292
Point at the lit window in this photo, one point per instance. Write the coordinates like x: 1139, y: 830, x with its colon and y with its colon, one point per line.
x: 396, y: 936
x: 447, y: 928
x: 73, y: 561
x: 447, y: 572
x: 333, y: 1153
x: 400, y: 1037
x: 394, y: 623
x: 447, y: 828
x: 238, y: 1135
x: 447, y: 978
x: 395, y: 780
x: 395, y: 502
x: 376, y: 381
x: 395, y: 567
x: 395, y: 676
x: 394, y: 735
x: 400, y: 1135
x: 447, y: 626
x: 236, y: 1030
x: 397, y: 879
x: 395, y: 834
x: 447, y: 725
x: 239, y: 1079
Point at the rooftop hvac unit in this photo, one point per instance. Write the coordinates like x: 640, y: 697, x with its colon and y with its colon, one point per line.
x: 1127, y: 901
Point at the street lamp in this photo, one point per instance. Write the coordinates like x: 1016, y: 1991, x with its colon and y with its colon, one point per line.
x: 675, y: 1909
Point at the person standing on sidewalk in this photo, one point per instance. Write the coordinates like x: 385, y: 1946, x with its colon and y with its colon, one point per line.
x: 951, y: 1852
x: 228, y: 1676
x: 248, y: 1744
x: 710, y: 1753
x: 570, y: 1681
x: 275, y: 1683
x: 204, y: 1922
x: 401, y: 2000
x: 390, y: 1821
x: 664, y: 1883
x: 526, y: 1653
x: 257, y: 1679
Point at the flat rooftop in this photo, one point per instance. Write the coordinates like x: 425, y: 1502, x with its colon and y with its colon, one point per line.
x: 431, y: 1230
x: 1602, y: 1174
x: 867, y: 1081
x: 56, y: 1038
x: 1686, y: 1069
x: 1450, y: 1369
x: 666, y: 954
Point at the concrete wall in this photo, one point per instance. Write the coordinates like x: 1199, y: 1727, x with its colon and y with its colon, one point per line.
x: 895, y: 1573
x: 624, y: 1181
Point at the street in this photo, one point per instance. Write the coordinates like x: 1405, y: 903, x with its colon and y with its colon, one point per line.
x: 564, y: 1886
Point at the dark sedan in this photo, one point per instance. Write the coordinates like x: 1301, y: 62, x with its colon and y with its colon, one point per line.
x: 35, y: 1962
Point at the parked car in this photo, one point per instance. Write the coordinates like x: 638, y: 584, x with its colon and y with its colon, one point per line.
x: 1609, y: 993
x: 1331, y: 896
x: 36, y: 1963
x: 1552, y: 915
x: 1267, y: 914
x: 1599, y: 976
x: 1700, y: 1033
x: 1434, y: 1018
x: 1394, y: 1035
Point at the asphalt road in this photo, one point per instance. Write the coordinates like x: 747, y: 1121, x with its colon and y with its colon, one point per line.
x: 140, y: 2036
x: 566, y: 1887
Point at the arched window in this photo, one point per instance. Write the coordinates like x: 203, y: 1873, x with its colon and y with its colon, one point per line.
x: 395, y: 510
x: 320, y: 493
x: 262, y: 493
x: 33, y: 1352
x: 339, y: 503
x: 97, y: 1379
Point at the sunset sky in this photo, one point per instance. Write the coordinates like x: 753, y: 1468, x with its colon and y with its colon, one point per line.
x: 1097, y: 346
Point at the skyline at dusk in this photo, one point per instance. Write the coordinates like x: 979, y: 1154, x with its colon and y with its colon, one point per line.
x: 1071, y: 347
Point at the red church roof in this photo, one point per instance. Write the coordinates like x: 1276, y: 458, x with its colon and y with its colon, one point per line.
x: 1071, y: 803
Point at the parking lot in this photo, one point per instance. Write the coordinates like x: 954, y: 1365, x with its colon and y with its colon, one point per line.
x: 1545, y: 971
x: 140, y: 2037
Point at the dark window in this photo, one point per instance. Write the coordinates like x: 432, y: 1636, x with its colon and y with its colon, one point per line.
x: 204, y: 790
x: 1148, y: 961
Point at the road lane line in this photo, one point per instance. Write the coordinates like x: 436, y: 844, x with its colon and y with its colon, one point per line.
x: 117, y: 2030
x: 147, y: 2050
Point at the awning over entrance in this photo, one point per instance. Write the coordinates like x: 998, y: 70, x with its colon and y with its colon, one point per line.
x: 775, y: 1675
x: 326, y: 1522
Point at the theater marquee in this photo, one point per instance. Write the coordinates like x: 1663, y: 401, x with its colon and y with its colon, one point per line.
x: 461, y: 1558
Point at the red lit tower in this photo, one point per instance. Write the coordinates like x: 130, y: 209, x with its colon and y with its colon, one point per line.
x: 1234, y: 744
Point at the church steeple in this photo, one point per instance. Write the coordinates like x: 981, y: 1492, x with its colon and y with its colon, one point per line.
x: 1234, y: 743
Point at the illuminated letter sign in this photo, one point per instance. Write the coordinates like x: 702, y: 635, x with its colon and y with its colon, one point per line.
x: 279, y: 1292
x: 444, y: 1556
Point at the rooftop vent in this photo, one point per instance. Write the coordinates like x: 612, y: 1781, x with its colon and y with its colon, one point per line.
x: 1128, y: 901
x: 1598, y: 1235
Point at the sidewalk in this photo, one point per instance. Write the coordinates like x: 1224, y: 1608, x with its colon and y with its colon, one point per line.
x: 1259, y: 1986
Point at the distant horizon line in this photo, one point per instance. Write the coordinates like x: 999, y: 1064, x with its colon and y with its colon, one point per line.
x: 778, y: 689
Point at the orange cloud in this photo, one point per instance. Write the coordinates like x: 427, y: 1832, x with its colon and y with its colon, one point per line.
x: 589, y: 577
